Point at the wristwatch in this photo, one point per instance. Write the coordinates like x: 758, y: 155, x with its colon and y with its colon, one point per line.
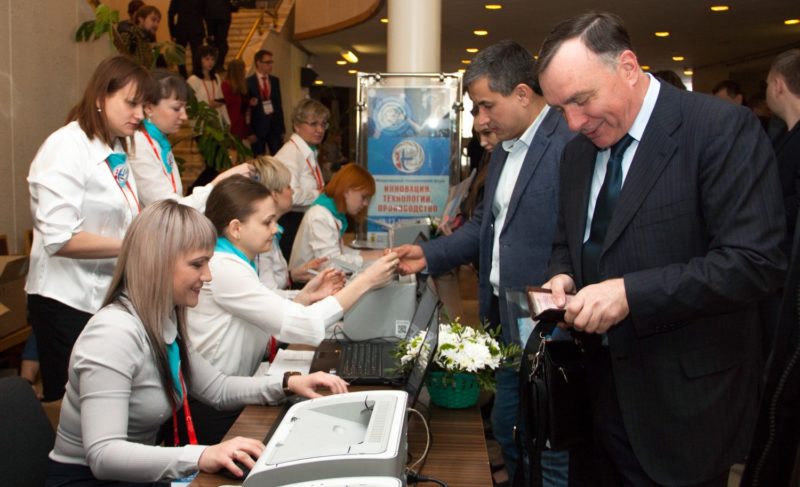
x: 285, y: 383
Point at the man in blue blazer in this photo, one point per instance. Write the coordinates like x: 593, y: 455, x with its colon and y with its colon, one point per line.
x: 266, y: 108
x: 669, y: 238
x: 511, y: 232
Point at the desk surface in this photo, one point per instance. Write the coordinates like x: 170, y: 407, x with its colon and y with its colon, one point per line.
x: 458, y: 452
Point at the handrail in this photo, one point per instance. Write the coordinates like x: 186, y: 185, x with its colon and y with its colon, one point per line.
x: 250, y: 35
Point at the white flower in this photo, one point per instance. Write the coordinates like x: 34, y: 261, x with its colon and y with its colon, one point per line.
x: 461, y: 349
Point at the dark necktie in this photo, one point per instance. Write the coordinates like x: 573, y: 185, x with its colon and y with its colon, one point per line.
x: 603, y: 209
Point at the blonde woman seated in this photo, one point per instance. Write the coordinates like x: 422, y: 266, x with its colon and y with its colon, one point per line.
x: 237, y: 316
x: 323, y: 226
x: 153, y: 162
x: 273, y: 270
x: 132, y: 367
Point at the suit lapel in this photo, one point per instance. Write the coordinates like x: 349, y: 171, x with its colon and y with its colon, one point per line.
x: 496, y: 164
x: 580, y: 174
x: 652, y: 155
x: 539, y: 144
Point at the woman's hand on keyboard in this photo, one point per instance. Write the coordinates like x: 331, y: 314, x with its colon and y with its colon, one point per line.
x: 307, y: 385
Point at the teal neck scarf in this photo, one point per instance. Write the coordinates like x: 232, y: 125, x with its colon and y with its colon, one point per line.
x: 225, y: 245
x: 326, y: 201
x: 162, y: 141
x: 174, y: 358
x: 117, y: 162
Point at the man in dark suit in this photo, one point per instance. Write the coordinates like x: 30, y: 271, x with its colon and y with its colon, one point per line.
x: 188, y: 29
x: 669, y: 238
x: 266, y: 109
x: 217, y: 14
x: 511, y: 231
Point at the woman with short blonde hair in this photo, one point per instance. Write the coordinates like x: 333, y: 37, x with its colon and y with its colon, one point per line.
x: 299, y: 154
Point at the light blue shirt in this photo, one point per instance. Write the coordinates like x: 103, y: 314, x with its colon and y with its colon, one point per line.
x: 601, y: 162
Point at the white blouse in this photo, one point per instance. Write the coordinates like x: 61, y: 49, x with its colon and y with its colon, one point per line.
x: 114, y: 402
x: 236, y: 315
x: 154, y: 184
x: 319, y: 236
x: 73, y: 190
x: 273, y: 271
x: 208, y: 90
x: 307, y: 179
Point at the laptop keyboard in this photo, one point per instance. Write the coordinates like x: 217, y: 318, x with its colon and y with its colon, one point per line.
x: 362, y: 360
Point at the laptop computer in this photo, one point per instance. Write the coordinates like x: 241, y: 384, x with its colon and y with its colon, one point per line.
x: 372, y: 362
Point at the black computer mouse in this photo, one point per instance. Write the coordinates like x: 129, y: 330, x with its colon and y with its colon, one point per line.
x: 227, y: 473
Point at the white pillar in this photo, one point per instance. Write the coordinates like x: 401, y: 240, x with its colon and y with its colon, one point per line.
x: 415, y: 36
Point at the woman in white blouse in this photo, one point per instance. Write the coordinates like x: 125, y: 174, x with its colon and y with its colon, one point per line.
x: 132, y: 367
x: 207, y: 84
x: 273, y: 270
x: 299, y: 154
x: 83, y: 197
x: 320, y: 234
x: 153, y: 162
x: 237, y: 316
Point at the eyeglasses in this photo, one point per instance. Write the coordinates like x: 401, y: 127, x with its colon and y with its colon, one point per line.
x: 266, y: 62
x: 317, y: 124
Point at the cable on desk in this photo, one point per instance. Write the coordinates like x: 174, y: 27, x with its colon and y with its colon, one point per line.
x: 427, y: 439
x: 414, y: 478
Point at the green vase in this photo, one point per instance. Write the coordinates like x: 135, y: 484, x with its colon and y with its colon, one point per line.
x: 457, y: 391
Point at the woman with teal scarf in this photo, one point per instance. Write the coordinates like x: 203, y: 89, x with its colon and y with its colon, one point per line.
x: 153, y: 162
x: 324, y: 224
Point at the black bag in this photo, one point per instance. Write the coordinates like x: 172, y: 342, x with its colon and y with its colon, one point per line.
x: 554, y: 408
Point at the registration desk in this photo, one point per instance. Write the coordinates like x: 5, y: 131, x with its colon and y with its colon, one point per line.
x: 458, y: 452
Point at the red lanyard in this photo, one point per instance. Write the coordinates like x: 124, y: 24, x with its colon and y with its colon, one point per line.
x: 273, y: 349
x: 127, y: 185
x: 213, y: 90
x: 265, y: 89
x: 170, y: 176
x: 187, y: 416
x: 314, y: 170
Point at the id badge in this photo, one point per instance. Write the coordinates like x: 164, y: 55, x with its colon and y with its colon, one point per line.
x: 171, y: 159
x: 267, y: 106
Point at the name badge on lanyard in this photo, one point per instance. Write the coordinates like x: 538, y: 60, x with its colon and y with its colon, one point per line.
x: 267, y: 106
x: 171, y: 159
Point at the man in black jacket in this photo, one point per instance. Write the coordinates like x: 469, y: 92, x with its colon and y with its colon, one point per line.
x: 218, y: 20
x: 188, y: 28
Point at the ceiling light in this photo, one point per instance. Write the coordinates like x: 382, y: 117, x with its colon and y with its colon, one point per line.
x: 480, y: 32
x: 645, y: 67
x: 788, y: 22
x: 349, y: 56
x: 352, y: 71
x: 493, y: 6
x: 662, y: 34
x: 465, y: 61
x: 341, y: 62
x: 678, y: 58
x: 688, y: 71
x: 384, y: 20
x: 472, y: 50
x: 720, y: 8
x: 319, y: 82
x: 461, y: 70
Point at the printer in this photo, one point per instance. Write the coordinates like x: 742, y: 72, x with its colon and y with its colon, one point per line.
x: 357, y: 434
x: 384, y: 312
x: 351, y: 482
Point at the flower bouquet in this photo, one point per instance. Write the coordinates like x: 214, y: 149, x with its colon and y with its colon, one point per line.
x: 463, y: 365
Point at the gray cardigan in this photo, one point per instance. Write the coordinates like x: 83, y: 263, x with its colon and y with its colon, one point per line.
x: 114, y: 402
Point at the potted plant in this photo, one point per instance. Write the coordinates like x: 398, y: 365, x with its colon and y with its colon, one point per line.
x: 464, y: 364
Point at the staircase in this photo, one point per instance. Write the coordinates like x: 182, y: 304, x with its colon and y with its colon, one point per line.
x: 241, y: 23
